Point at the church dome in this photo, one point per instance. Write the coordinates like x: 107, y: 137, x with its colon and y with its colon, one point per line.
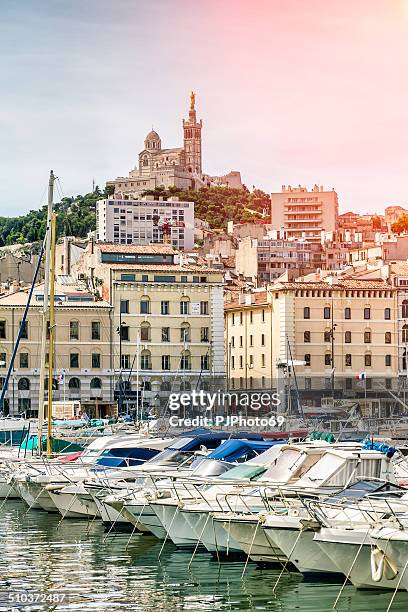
x: 153, y: 140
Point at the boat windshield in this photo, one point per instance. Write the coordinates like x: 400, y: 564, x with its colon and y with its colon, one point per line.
x: 285, y: 465
x: 241, y: 472
x: 322, y: 470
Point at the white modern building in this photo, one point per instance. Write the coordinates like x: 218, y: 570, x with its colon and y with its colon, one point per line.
x: 144, y: 221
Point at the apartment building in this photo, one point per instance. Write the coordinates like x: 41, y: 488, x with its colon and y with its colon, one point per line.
x: 264, y: 260
x: 167, y: 318
x: 83, y: 365
x: 304, y: 214
x: 146, y: 221
x: 333, y: 330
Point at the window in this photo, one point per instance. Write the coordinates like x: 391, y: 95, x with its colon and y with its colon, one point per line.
x: 96, y: 360
x: 124, y: 306
x: 74, y: 383
x: 184, y: 306
x: 2, y: 329
x: 307, y: 359
x: 306, y: 312
x: 185, y: 332
x: 306, y: 336
x: 240, y: 341
x: 96, y: 383
x: 388, y: 360
x: 165, y: 362
x: 241, y: 362
x: 145, y: 278
x: 367, y: 337
x: 251, y: 316
x: 326, y: 312
x: 185, y: 361
x: 327, y: 359
x: 233, y: 319
x: 263, y: 360
x: 233, y: 362
x: 124, y: 332
x: 125, y: 363
x: 367, y: 312
x: 145, y: 332
x: 308, y: 384
x: 347, y: 313
x: 74, y: 360
x: 263, y: 315
x: 96, y: 330
x: 262, y: 339
x: 405, y: 309
x: 74, y: 330
x: 240, y: 318
x: 145, y: 360
x: 204, y: 335
x: 251, y: 340
x: 24, y: 384
x: 347, y: 360
x: 349, y: 383
x: 205, y: 362
x: 327, y: 336
x: 165, y: 307
x: 388, y: 383
x: 165, y: 334
x: 24, y: 330
x: 204, y: 308
x: 405, y: 333
x: 3, y: 360
x: 23, y: 360
x: 251, y: 361
x: 387, y: 314
x: 347, y: 337
x: 145, y: 305
x: 367, y: 359
x: 387, y: 337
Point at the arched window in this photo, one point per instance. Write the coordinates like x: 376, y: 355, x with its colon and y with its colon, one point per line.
x: 145, y: 332
x: 405, y: 309
x: 96, y: 383
x: 185, y: 332
x: 405, y: 333
x: 145, y: 161
x: 146, y: 385
x: 23, y: 384
x: 185, y: 386
x: 145, y: 305
x: 74, y: 383
x: 55, y: 385
x: 165, y: 386
x: 184, y: 305
x: 185, y: 361
x: 145, y: 360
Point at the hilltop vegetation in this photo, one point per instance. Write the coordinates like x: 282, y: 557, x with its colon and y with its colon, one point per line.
x: 76, y: 214
x: 217, y: 205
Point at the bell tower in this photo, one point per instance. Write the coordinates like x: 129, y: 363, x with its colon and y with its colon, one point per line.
x: 192, y: 139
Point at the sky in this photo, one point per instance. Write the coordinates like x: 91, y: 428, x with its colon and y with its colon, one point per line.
x: 293, y: 92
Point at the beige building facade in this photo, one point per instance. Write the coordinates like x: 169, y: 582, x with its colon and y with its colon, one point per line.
x: 83, y: 365
x: 333, y: 331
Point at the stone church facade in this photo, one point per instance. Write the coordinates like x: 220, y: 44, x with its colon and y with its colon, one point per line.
x: 179, y: 167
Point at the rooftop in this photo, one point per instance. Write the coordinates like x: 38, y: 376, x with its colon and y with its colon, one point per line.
x: 65, y: 296
x: 148, y: 249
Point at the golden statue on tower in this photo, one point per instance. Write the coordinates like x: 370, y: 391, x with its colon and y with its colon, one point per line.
x: 192, y: 100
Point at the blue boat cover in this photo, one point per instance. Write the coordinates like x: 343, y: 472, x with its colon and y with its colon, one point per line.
x: 231, y: 450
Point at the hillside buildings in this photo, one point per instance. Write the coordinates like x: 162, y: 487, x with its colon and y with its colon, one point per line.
x: 304, y: 214
x: 179, y: 167
x: 146, y: 221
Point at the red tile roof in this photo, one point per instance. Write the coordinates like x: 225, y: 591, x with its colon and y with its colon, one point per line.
x: 157, y: 249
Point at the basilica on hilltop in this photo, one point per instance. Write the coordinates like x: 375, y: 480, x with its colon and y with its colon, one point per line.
x: 180, y: 167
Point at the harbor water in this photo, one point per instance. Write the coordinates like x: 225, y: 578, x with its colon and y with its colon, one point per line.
x: 82, y: 568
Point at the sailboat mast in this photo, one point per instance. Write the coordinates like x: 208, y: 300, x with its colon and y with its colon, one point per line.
x: 45, y: 311
x: 52, y: 331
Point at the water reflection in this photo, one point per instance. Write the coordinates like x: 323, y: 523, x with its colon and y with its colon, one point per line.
x: 99, y: 572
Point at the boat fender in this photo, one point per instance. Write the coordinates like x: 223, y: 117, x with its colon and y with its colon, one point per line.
x: 381, y: 566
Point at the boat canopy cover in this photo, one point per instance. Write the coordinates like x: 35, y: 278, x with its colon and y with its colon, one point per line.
x: 221, y: 435
x: 231, y: 450
x: 123, y: 457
